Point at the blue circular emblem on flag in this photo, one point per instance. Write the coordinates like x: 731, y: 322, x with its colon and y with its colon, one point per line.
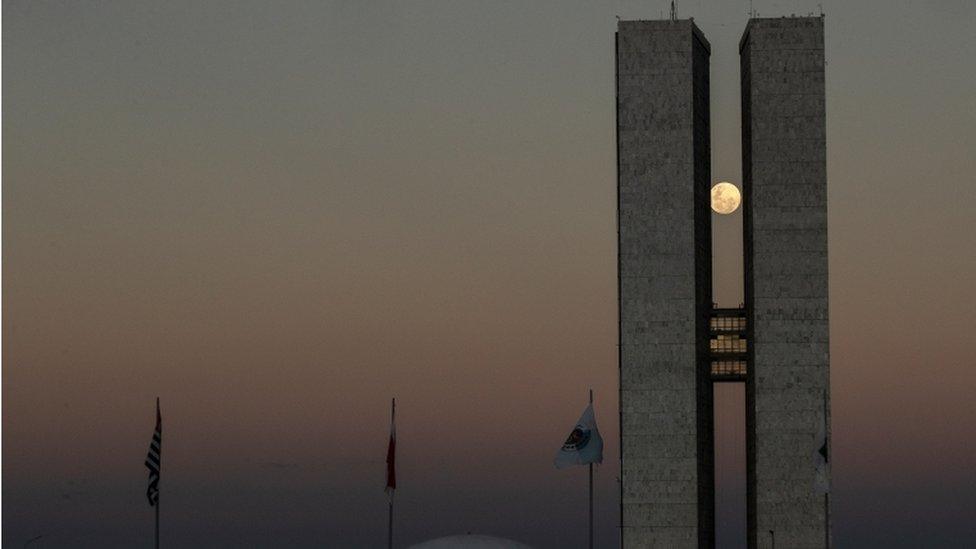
x: 577, y: 440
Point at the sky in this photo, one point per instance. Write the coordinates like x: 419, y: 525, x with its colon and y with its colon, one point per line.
x: 277, y: 216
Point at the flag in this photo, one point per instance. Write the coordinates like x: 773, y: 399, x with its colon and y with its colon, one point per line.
x: 821, y: 456
x: 153, y: 462
x: 391, y: 453
x: 584, y: 444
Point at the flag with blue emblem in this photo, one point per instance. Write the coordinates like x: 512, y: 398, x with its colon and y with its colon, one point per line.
x: 584, y: 444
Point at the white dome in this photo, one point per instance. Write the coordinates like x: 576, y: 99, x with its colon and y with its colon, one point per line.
x: 470, y: 541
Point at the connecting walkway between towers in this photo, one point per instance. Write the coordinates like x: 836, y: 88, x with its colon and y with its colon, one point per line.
x: 727, y: 344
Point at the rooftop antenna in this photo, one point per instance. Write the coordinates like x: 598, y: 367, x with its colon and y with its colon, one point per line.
x: 752, y: 10
x: 672, y: 12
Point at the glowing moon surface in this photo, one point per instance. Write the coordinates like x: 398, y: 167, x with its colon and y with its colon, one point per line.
x: 725, y: 198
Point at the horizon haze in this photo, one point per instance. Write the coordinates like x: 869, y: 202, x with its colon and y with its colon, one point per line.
x: 277, y: 217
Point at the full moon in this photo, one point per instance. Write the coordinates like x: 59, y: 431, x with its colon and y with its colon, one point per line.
x: 725, y: 198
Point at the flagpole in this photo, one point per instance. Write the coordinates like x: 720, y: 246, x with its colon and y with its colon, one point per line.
x: 158, y: 424
x: 826, y: 522
x: 591, y: 506
x: 389, y: 530
x: 591, y: 488
x: 829, y: 479
x: 157, y: 522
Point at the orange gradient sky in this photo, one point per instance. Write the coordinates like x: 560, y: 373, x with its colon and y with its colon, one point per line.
x: 277, y: 216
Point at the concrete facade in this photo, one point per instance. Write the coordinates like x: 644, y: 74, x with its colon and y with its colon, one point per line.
x: 664, y: 239
x: 785, y: 239
x: 665, y: 296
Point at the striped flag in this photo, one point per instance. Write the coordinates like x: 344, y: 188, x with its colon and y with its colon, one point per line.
x: 153, y: 462
x: 391, y: 453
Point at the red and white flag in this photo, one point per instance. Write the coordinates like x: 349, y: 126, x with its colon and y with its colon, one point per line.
x: 391, y: 453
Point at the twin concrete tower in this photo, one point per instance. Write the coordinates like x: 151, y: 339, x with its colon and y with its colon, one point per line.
x: 674, y: 343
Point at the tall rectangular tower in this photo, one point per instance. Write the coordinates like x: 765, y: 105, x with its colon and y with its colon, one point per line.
x: 785, y: 239
x: 673, y: 342
x: 664, y: 243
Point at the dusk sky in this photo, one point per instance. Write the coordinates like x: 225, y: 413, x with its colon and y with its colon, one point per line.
x: 276, y: 216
